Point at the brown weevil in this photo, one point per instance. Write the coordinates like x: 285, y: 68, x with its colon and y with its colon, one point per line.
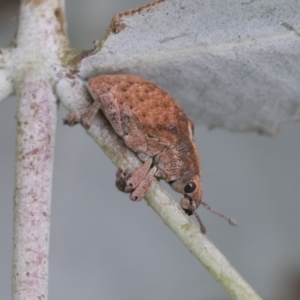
x: 154, y: 126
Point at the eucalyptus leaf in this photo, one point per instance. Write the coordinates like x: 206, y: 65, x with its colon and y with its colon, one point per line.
x: 231, y: 64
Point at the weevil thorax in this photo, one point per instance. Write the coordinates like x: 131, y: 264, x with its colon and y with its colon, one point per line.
x: 189, y: 183
x: 181, y: 169
x: 192, y: 189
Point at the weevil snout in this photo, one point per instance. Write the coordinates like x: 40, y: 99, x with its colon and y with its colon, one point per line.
x: 188, y: 205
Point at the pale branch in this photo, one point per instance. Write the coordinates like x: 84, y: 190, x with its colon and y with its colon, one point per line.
x: 34, y: 162
x: 34, y: 65
x: 73, y: 94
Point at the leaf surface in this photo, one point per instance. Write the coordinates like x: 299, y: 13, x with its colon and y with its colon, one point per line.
x: 230, y: 64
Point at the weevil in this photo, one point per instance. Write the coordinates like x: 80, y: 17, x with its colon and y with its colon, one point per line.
x: 155, y: 127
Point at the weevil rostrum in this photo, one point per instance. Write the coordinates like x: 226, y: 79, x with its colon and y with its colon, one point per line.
x: 154, y: 126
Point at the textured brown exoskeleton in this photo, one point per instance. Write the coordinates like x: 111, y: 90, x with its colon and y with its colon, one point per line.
x: 155, y: 127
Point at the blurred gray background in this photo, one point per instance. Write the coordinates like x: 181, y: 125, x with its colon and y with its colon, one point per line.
x: 103, y: 246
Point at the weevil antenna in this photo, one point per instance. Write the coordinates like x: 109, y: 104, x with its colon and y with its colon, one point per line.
x: 231, y: 221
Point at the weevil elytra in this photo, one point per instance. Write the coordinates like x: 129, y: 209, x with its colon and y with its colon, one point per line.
x: 156, y: 128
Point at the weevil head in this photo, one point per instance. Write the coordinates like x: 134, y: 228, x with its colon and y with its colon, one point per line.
x: 191, y: 188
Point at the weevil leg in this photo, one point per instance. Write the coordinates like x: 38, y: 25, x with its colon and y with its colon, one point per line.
x: 122, y: 176
x: 127, y: 183
x: 88, y: 117
x: 143, y: 186
x: 72, y: 119
x: 137, y: 176
x: 111, y: 110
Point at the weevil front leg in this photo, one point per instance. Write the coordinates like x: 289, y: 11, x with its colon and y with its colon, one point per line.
x: 143, y: 187
x: 86, y: 118
x: 138, y: 182
x: 128, y: 182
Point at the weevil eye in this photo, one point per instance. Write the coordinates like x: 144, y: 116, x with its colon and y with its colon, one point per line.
x: 190, y: 187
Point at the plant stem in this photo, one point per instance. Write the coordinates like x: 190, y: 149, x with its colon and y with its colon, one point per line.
x: 35, y: 64
x: 36, y: 118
